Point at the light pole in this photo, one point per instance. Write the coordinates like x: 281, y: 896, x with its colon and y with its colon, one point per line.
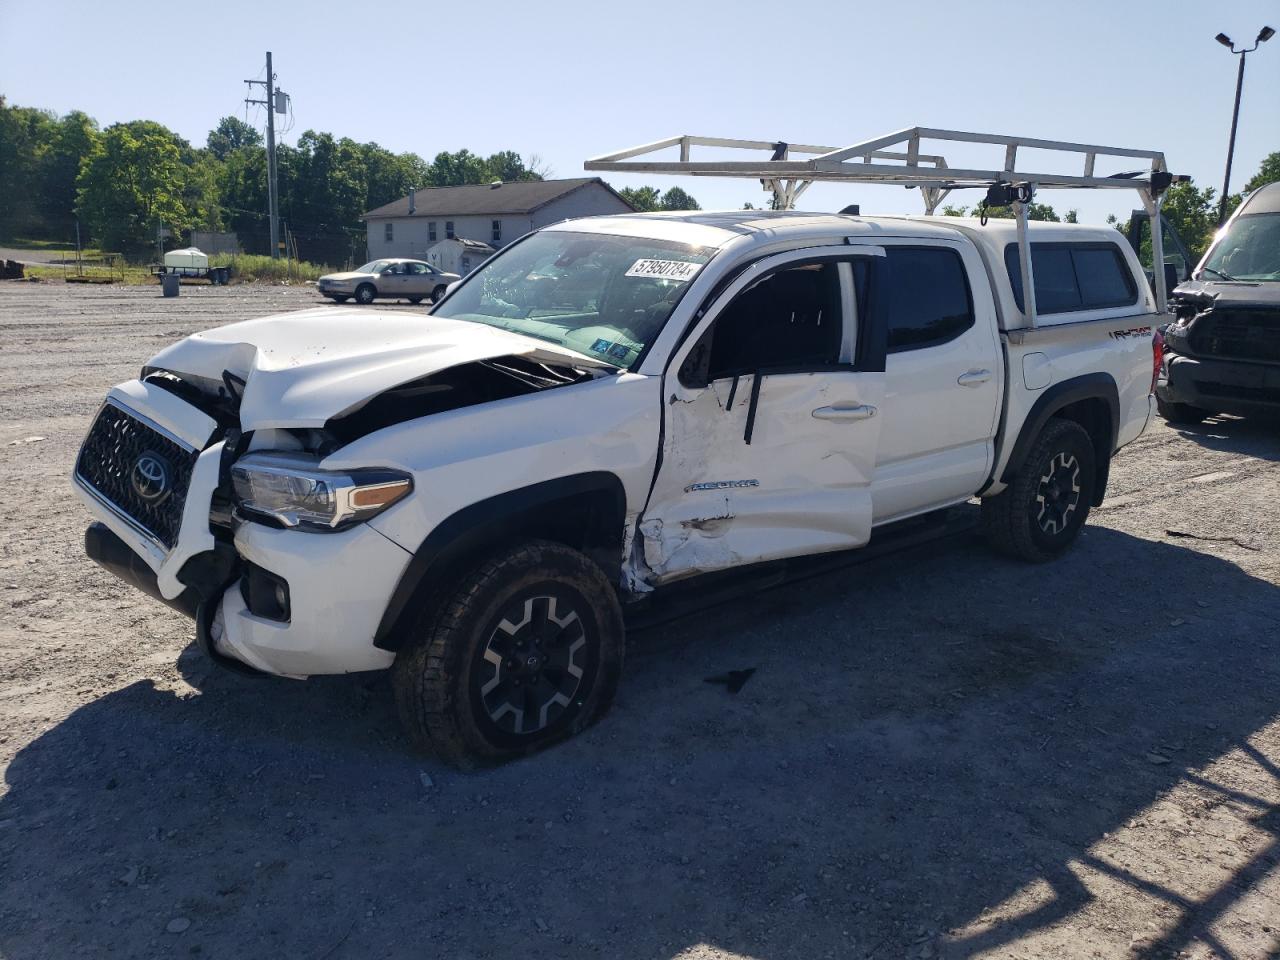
x: 1265, y: 34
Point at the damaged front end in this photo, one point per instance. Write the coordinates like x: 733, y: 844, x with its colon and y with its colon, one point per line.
x: 179, y: 461
x: 1222, y: 353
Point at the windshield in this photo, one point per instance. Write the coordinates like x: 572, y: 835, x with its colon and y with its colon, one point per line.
x: 1249, y: 250
x: 374, y: 266
x: 604, y: 296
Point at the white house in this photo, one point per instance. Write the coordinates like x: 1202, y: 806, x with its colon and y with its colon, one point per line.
x: 494, y: 214
x: 458, y: 255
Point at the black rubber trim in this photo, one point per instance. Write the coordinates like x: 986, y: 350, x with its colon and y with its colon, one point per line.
x: 486, y: 523
x: 114, y: 555
x: 205, y: 614
x: 1091, y: 386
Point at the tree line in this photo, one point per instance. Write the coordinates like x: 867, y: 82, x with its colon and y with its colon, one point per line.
x: 123, y: 182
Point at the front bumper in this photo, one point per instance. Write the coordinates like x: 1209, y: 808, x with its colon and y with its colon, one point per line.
x: 339, y: 583
x: 1223, y: 386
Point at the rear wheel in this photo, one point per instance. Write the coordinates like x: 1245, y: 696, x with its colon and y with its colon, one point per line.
x: 1041, y: 512
x: 365, y: 293
x: 523, y: 651
x: 1180, y: 412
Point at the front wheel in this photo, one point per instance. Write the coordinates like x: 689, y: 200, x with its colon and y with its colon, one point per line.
x: 1042, y: 510
x: 1182, y: 413
x: 437, y: 294
x: 523, y: 651
x: 365, y: 293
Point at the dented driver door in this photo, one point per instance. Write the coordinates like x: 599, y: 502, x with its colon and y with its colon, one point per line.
x: 771, y: 419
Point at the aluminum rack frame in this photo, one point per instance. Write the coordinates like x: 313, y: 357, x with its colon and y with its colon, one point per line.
x: 895, y: 159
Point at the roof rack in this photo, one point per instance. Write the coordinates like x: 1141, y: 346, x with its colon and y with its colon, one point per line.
x: 896, y: 159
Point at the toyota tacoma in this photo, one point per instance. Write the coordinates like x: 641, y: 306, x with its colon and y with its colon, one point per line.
x: 608, y: 407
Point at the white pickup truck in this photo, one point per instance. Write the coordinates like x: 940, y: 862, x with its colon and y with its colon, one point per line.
x: 607, y: 407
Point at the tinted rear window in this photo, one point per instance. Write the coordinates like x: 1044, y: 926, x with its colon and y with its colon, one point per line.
x: 1073, y: 276
x: 928, y: 297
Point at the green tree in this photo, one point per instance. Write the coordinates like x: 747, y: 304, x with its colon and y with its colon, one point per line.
x: 1269, y: 172
x: 649, y: 199
x: 677, y: 199
x: 24, y: 132
x: 230, y: 135
x: 242, y: 190
x: 70, y: 140
x: 131, y: 183
x: 644, y: 199
x: 1037, y: 211
x: 509, y: 167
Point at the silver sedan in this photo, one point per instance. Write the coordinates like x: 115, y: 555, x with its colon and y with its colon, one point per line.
x: 389, y: 279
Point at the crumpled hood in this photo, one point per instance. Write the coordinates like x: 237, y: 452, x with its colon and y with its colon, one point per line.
x: 1233, y: 293
x: 303, y: 369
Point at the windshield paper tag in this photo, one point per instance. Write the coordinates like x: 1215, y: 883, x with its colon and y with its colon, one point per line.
x: 677, y: 270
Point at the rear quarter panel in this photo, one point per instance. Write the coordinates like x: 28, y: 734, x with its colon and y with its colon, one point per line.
x: 1038, y: 359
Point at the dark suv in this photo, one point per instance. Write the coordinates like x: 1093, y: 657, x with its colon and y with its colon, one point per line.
x: 1222, y: 354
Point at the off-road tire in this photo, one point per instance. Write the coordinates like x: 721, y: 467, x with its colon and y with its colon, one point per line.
x: 365, y: 293
x: 437, y: 294
x: 1182, y: 413
x: 438, y: 676
x: 1017, y: 521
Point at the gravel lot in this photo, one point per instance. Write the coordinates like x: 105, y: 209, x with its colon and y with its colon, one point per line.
x: 941, y: 754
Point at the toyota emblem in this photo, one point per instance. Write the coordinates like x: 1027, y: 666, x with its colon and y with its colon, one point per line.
x: 150, y: 477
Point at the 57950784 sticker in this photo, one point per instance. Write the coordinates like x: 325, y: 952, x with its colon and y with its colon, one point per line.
x: 678, y: 270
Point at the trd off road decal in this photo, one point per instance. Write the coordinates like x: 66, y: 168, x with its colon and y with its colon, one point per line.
x: 678, y: 270
x: 1131, y: 332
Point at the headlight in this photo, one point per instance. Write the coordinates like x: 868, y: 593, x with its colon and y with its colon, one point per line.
x: 292, y: 490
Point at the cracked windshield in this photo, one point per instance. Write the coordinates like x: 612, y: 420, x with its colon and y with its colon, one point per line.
x: 600, y: 295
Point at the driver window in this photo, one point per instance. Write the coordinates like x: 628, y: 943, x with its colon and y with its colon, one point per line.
x: 791, y: 318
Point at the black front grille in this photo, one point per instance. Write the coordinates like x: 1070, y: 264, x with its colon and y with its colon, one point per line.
x: 138, y: 469
x: 1238, y: 334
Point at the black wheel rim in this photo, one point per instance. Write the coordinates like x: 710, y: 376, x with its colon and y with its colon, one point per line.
x: 535, y: 664
x: 1058, y: 493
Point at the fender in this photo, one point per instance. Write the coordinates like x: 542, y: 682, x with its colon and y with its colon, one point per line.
x: 1090, y: 386
x: 585, y: 510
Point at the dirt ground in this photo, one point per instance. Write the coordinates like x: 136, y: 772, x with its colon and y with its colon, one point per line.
x: 940, y: 754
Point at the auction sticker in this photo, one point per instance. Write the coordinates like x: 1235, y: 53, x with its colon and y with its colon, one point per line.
x: 678, y: 270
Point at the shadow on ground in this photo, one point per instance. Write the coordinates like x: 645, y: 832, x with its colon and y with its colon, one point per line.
x: 1256, y: 436
x: 921, y: 739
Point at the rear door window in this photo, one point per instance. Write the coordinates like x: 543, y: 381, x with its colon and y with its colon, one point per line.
x: 1073, y: 276
x: 928, y: 297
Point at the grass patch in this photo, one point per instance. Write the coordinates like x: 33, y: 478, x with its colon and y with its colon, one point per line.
x: 246, y: 266
x: 133, y: 275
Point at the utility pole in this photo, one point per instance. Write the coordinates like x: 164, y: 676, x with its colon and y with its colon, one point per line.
x: 274, y: 100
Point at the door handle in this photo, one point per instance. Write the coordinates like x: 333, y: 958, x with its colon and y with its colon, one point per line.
x: 973, y: 378
x: 862, y: 411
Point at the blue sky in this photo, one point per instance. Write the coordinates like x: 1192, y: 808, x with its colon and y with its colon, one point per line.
x: 568, y: 80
